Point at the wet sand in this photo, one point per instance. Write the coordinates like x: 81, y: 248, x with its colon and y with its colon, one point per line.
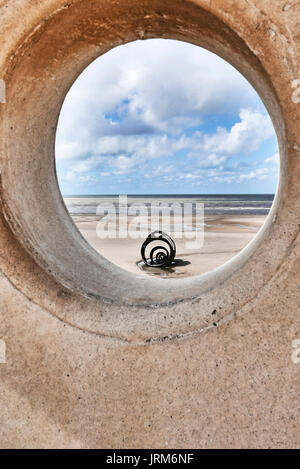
x: 224, y: 237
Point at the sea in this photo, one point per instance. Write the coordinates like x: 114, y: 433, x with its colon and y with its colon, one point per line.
x: 216, y: 204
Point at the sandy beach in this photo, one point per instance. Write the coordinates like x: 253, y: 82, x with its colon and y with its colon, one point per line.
x: 224, y: 237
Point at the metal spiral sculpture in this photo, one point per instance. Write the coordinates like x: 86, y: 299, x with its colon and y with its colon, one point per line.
x: 160, y: 256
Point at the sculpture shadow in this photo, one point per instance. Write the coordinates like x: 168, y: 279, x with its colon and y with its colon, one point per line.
x: 179, y: 263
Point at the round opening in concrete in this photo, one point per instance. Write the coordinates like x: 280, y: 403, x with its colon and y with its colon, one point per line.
x: 185, y: 137
x: 81, y: 286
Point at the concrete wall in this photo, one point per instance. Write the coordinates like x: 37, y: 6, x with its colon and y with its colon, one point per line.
x: 92, y: 356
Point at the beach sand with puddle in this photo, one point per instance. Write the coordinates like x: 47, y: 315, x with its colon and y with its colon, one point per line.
x: 223, y: 238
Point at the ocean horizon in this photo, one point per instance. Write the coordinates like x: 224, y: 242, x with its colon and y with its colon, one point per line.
x: 65, y: 196
x: 214, y: 204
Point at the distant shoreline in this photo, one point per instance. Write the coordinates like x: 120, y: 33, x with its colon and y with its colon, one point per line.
x: 75, y: 196
x: 214, y: 204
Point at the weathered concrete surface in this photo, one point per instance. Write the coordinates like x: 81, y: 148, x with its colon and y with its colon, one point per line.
x: 95, y: 358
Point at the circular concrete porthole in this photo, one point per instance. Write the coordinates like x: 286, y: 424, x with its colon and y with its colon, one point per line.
x: 195, y: 153
x: 88, y: 291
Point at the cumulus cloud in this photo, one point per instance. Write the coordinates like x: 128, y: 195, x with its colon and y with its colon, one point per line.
x: 134, y: 90
x: 137, y: 110
x: 260, y: 174
x: 123, y: 154
x: 274, y: 159
x: 153, y: 89
x: 244, y: 137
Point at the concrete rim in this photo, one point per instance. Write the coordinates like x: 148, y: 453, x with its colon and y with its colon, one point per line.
x: 91, y: 290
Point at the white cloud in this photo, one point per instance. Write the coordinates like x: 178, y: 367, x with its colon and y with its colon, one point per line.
x: 119, y: 94
x: 123, y: 164
x: 212, y: 160
x: 189, y: 176
x: 245, y: 136
x: 259, y: 174
x: 159, y: 171
x: 274, y: 159
x: 133, y: 108
x: 123, y: 154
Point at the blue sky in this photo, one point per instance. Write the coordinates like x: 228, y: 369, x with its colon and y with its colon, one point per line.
x: 164, y: 117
